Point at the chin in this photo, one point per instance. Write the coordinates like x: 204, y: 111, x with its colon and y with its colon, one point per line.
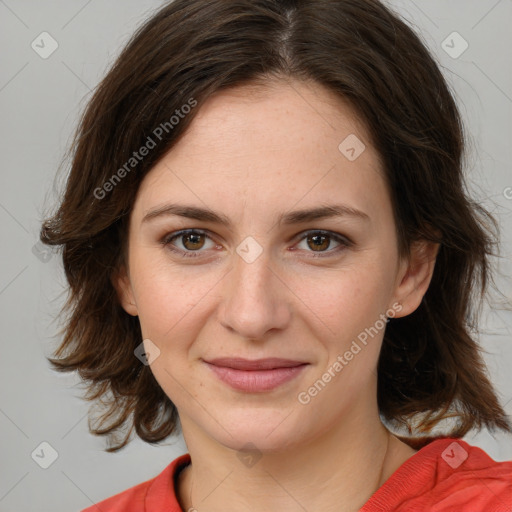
x: 265, y: 429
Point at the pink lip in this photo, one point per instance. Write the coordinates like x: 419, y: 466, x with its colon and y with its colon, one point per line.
x: 257, y: 375
x: 269, y: 363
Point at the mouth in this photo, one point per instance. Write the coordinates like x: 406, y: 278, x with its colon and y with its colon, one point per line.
x: 255, y: 376
x: 270, y: 363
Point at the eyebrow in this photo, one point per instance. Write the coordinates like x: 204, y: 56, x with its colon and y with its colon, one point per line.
x: 290, y: 218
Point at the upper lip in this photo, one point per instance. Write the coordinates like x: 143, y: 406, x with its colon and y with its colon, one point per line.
x: 239, y: 363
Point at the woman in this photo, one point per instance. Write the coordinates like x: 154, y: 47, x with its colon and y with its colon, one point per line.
x: 266, y: 237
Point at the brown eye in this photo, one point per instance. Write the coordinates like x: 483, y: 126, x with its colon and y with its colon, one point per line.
x: 321, y: 242
x: 187, y: 243
x: 192, y: 241
x: 318, y: 242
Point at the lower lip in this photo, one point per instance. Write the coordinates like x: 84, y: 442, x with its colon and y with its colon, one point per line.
x: 255, y: 380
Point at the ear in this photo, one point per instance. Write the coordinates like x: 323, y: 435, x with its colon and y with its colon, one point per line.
x: 121, y: 282
x: 415, y: 275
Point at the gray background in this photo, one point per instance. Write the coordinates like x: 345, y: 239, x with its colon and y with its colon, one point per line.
x: 40, y: 100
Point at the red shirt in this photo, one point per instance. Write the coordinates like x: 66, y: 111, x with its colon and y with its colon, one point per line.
x: 446, y: 475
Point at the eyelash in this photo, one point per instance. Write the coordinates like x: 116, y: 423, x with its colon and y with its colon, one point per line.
x: 345, y: 242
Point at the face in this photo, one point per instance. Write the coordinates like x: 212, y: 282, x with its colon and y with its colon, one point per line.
x: 224, y: 261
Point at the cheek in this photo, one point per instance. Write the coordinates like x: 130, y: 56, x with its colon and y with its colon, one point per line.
x: 167, y: 297
x: 349, y: 303
x: 346, y: 300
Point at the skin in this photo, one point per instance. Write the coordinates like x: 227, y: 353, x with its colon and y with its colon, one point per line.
x: 251, y: 154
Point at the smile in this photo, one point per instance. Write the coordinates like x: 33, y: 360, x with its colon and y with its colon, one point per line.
x: 255, y: 376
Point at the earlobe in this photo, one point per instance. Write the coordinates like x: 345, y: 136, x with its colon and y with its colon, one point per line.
x: 121, y: 283
x: 416, y: 276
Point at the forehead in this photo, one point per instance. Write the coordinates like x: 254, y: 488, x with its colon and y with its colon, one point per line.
x: 278, y: 112
x: 283, y: 142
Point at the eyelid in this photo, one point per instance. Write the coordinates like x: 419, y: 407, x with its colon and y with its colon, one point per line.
x: 332, y: 234
x: 343, y: 240
x: 169, y: 237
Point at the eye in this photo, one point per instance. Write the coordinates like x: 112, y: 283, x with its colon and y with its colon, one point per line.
x: 192, y: 240
x: 320, y: 241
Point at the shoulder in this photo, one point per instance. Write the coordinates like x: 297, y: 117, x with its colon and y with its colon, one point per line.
x: 130, y: 500
x: 445, y: 475
x: 467, y: 475
x: 147, y: 496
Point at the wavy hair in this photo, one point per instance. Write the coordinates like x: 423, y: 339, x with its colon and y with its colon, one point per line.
x: 430, y: 362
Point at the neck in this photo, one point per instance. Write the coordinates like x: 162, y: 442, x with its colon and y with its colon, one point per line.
x: 335, y: 472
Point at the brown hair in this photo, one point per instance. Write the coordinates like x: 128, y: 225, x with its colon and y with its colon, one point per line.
x: 430, y: 362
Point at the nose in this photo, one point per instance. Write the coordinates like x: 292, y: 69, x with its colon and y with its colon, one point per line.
x: 255, y: 299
